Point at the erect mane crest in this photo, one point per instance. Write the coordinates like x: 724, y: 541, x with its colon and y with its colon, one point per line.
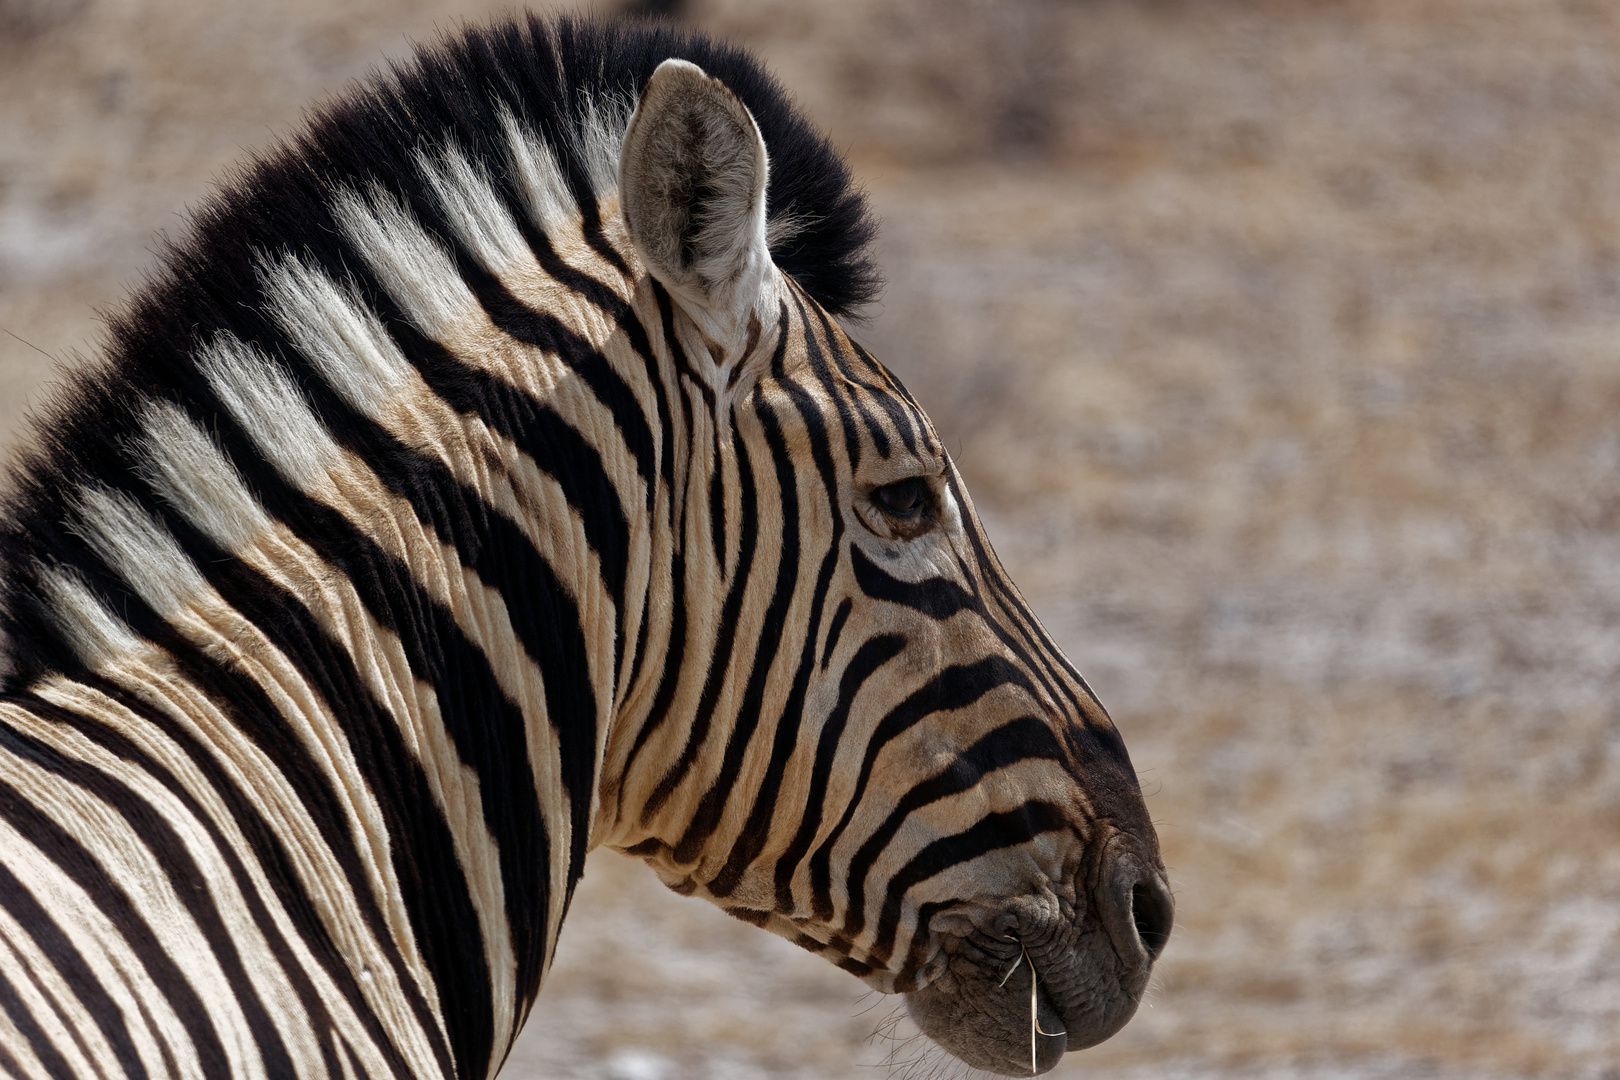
x: 527, y: 115
x: 565, y: 89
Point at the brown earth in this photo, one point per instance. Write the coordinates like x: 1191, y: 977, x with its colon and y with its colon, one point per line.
x: 1280, y: 342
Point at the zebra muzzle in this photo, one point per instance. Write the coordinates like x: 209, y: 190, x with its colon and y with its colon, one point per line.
x: 1036, y: 979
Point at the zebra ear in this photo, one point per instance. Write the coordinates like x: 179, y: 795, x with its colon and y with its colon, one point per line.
x: 692, y: 187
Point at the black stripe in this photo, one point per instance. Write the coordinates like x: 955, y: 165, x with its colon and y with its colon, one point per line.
x: 170, y: 853
x: 268, y: 847
x: 79, y: 865
x: 993, y: 832
x: 845, y: 606
x: 678, y: 498
x: 871, y: 656
x: 1015, y: 625
x: 1025, y: 739
x: 936, y: 597
x: 48, y: 937
x: 585, y: 285
x: 638, y: 650
x: 906, y: 978
x: 596, y: 236
x: 717, y: 506
x: 674, y: 660
x: 636, y: 334
x: 956, y: 687
x: 629, y: 323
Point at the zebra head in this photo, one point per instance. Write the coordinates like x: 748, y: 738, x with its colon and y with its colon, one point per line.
x: 863, y: 739
x: 486, y: 479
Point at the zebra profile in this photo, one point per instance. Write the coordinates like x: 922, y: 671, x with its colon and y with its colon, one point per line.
x: 484, y: 481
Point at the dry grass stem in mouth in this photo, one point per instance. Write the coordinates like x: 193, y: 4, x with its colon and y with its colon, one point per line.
x: 1034, y: 1021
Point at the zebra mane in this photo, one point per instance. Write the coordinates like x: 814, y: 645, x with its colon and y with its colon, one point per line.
x: 567, y: 85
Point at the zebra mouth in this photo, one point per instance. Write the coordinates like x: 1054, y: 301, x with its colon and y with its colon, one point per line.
x: 1018, y: 1008
x: 1027, y: 983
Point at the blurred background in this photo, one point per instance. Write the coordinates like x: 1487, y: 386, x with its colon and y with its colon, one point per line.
x: 1279, y: 341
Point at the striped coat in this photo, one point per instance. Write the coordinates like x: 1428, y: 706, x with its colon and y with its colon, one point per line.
x: 486, y: 480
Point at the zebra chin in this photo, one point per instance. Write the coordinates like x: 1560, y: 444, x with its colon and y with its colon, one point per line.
x: 1019, y: 987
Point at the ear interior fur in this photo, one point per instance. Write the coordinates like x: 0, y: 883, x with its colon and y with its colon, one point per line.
x: 692, y: 178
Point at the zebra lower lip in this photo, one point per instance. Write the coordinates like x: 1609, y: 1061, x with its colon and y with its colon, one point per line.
x: 1015, y: 1006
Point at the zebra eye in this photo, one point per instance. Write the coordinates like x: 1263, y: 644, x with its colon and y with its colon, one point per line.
x: 903, y: 499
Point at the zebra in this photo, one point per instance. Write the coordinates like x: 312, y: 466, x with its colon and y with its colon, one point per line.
x: 487, y: 478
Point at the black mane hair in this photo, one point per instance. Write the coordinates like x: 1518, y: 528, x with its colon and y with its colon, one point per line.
x: 546, y: 73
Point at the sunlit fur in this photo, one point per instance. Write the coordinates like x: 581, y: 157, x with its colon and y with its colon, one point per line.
x: 416, y: 540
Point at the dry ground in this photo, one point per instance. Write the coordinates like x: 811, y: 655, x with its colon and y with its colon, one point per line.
x: 1280, y: 342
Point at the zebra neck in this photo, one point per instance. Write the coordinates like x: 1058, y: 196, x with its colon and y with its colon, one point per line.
x: 714, y: 536
x: 393, y: 587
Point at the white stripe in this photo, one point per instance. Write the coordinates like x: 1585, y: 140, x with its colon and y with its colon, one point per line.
x: 473, y: 209
x: 95, y: 634
x: 139, y: 549
x: 600, y: 139
x: 260, y: 396
x: 344, y: 338
x: 122, y: 854
x: 414, y: 267
x: 185, y: 467
x: 341, y: 1051
x: 551, y: 201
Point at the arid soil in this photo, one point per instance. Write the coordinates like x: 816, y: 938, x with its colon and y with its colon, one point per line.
x: 1280, y: 343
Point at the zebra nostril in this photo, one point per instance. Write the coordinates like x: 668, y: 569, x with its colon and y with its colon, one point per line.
x: 1153, y: 913
x: 1135, y: 906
